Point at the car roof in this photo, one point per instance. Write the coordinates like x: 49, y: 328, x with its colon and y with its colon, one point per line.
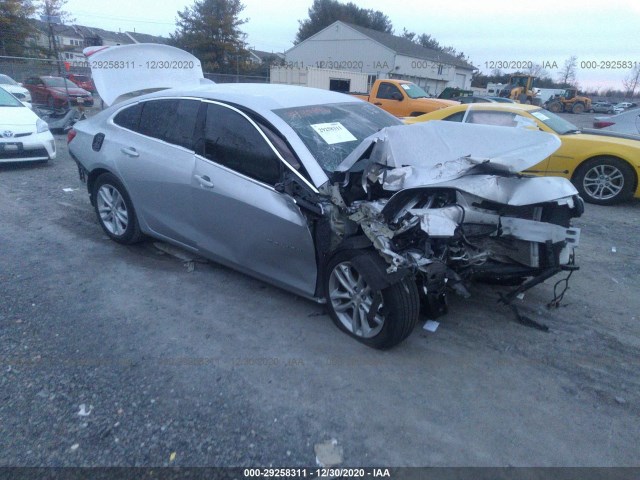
x: 257, y: 96
x: 491, y: 106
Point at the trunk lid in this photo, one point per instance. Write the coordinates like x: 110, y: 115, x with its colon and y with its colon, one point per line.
x: 124, y: 71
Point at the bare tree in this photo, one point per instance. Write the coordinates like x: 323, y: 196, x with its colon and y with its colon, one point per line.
x: 536, y: 70
x: 567, y: 75
x: 632, y: 81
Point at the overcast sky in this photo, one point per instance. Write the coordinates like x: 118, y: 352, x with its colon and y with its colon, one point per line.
x: 485, y: 30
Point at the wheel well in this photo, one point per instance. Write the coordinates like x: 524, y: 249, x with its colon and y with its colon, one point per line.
x: 91, y: 180
x: 635, y: 175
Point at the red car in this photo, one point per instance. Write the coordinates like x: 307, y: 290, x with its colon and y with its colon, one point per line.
x: 83, y: 81
x: 52, y: 91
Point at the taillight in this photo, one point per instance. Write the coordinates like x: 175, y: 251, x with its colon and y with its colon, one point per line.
x: 603, y: 124
x: 71, y: 134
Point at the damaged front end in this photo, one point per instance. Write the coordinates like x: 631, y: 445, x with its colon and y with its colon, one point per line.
x: 444, y: 202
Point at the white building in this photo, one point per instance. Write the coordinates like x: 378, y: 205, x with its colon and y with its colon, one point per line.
x: 344, y: 46
x: 327, y: 79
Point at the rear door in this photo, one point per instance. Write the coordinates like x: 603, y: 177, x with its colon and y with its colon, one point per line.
x: 240, y: 218
x: 154, y: 152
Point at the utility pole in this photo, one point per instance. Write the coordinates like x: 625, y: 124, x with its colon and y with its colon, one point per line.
x: 51, y: 20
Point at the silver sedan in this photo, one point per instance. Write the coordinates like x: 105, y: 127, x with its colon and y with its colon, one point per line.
x: 330, y: 198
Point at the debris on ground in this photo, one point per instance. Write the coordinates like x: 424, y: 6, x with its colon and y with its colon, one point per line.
x: 328, y: 454
x: 431, y: 326
x: 83, y: 410
x: 187, y: 258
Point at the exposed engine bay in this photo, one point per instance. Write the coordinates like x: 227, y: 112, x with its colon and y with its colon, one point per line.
x: 452, y: 221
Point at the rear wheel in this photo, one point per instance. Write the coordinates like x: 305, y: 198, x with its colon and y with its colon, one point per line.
x: 378, y: 318
x: 605, y: 180
x: 115, y: 211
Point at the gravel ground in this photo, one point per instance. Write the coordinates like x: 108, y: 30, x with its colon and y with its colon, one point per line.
x: 122, y: 356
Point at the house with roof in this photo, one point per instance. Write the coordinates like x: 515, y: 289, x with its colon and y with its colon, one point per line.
x: 343, y: 46
x: 72, y: 39
x: 259, y: 56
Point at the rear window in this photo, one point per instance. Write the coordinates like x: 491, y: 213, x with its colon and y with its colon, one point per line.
x: 129, y: 118
x: 171, y: 120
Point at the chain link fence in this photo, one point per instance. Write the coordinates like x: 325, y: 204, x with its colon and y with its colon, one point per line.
x: 20, y: 68
x: 231, y: 78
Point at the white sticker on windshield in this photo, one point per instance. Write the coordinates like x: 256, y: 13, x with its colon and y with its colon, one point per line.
x: 405, y: 86
x: 333, y: 132
x: 540, y: 116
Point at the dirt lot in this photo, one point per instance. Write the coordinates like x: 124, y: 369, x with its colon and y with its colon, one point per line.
x: 113, y: 355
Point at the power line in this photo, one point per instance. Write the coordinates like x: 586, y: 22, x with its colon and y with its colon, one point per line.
x: 122, y: 19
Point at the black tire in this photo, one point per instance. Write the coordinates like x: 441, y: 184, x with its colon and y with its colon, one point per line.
x: 554, y: 107
x: 398, y: 304
x: 578, y: 108
x: 108, y: 195
x: 619, y: 180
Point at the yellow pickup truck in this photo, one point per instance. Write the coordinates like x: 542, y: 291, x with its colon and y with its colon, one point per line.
x: 402, y: 98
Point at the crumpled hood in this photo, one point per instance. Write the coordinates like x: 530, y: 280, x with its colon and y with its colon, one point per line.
x: 439, y: 151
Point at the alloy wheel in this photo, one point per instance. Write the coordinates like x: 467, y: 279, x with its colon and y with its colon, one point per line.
x: 352, y: 300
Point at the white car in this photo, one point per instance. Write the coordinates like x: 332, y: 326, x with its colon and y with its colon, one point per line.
x: 24, y: 137
x: 14, y: 88
x: 625, y: 122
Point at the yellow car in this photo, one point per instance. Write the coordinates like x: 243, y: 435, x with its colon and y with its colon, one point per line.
x: 604, y: 166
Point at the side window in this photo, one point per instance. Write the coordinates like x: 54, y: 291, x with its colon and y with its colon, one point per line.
x: 171, y: 120
x: 232, y: 141
x: 456, y: 117
x: 386, y: 91
x: 129, y: 118
x: 503, y: 119
x: 180, y: 131
x: 156, y: 117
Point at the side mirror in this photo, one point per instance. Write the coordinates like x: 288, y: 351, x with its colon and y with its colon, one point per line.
x: 396, y: 96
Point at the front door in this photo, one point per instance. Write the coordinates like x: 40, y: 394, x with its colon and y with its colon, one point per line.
x: 239, y: 217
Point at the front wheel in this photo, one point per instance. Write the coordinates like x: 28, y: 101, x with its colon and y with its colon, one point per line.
x: 115, y: 210
x: 578, y: 108
x: 378, y: 318
x: 605, y: 180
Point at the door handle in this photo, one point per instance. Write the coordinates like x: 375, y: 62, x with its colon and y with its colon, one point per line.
x: 130, y: 151
x: 204, y: 181
x: 377, y: 103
